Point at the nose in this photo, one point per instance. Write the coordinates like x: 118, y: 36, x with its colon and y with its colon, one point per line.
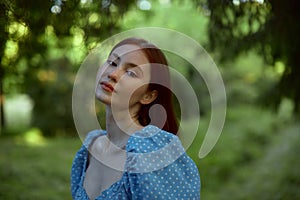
x: 114, y: 75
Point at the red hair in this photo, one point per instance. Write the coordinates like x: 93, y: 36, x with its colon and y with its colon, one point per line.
x: 159, y: 81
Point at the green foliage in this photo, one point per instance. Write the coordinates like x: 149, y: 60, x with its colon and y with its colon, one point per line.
x: 271, y: 28
x: 246, y: 78
x: 275, y: 175
x: 40, y: 51
x: 53, y: 99
x: 180, y: 16
x: 255, y: 157
x: 47, y: 49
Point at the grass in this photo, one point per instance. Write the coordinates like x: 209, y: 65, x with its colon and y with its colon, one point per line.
x: 36, y: 171
x: 256, y: 157
x: 276, y: 175
x: 41, y: 170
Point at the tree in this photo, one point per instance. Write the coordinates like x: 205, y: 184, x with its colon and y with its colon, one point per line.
x: 271, y: 27
x: 43, y: 54
x: 41, y: 36
x: 3, y: 38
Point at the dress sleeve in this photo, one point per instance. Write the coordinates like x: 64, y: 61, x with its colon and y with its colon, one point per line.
x: 157, y: 167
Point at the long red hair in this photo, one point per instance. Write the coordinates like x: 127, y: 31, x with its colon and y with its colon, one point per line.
x: 159, y: 81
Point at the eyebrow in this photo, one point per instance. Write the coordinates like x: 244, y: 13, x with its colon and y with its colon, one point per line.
x: 128, y: 65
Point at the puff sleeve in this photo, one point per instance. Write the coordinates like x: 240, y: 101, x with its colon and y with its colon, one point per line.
x: 157, y: 167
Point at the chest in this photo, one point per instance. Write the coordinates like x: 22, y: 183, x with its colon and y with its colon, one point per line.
x: 99, y: 177
x: 105, y: 167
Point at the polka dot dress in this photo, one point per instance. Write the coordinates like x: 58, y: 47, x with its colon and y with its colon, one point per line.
x: 156, y: 167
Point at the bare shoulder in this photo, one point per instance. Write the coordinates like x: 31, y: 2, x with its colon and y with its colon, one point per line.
x: 99, y: 144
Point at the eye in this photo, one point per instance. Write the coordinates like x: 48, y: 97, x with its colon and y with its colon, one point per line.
x: 131, y: 73
x: 112, y: 63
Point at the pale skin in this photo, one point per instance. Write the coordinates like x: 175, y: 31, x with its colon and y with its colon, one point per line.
x: 122, y: 87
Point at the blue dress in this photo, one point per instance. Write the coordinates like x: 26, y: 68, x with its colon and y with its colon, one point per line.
x: 156, y: 167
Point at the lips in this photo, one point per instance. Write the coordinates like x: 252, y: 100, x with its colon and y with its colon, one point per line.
x: 106, y: 86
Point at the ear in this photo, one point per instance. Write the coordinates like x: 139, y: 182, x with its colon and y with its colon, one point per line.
x: 149, y: 97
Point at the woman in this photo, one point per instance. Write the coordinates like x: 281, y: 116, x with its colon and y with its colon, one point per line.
x: 139, y: 155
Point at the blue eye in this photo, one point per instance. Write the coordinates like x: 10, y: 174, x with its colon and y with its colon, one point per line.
x: 131, y: 73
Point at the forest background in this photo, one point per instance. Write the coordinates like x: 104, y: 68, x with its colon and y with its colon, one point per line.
x: 255, y: 44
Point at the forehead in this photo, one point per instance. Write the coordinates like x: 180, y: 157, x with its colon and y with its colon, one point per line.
x: 130, y: 53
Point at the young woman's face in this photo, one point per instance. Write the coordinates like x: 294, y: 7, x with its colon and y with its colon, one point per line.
x: 124, y: 77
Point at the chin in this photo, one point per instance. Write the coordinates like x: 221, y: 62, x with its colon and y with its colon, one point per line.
x: 103, y: 98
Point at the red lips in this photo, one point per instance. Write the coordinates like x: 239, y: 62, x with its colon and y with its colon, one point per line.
x: 106, y: 86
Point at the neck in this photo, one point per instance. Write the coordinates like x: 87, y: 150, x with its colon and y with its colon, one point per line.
x: 120, y: 126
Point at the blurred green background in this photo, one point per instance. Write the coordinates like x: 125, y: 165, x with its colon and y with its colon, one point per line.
x: 255, y: 44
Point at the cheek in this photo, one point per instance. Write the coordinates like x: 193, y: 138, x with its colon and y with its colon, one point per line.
x: 102, y: 72
x: 130, y: 92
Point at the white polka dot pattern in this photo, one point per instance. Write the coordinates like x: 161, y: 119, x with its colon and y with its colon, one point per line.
x: 156, y: 168
x: 147, y: 154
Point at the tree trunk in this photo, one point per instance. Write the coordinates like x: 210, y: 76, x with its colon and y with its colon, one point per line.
x: 3, y: 38
x: 2, y: 120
